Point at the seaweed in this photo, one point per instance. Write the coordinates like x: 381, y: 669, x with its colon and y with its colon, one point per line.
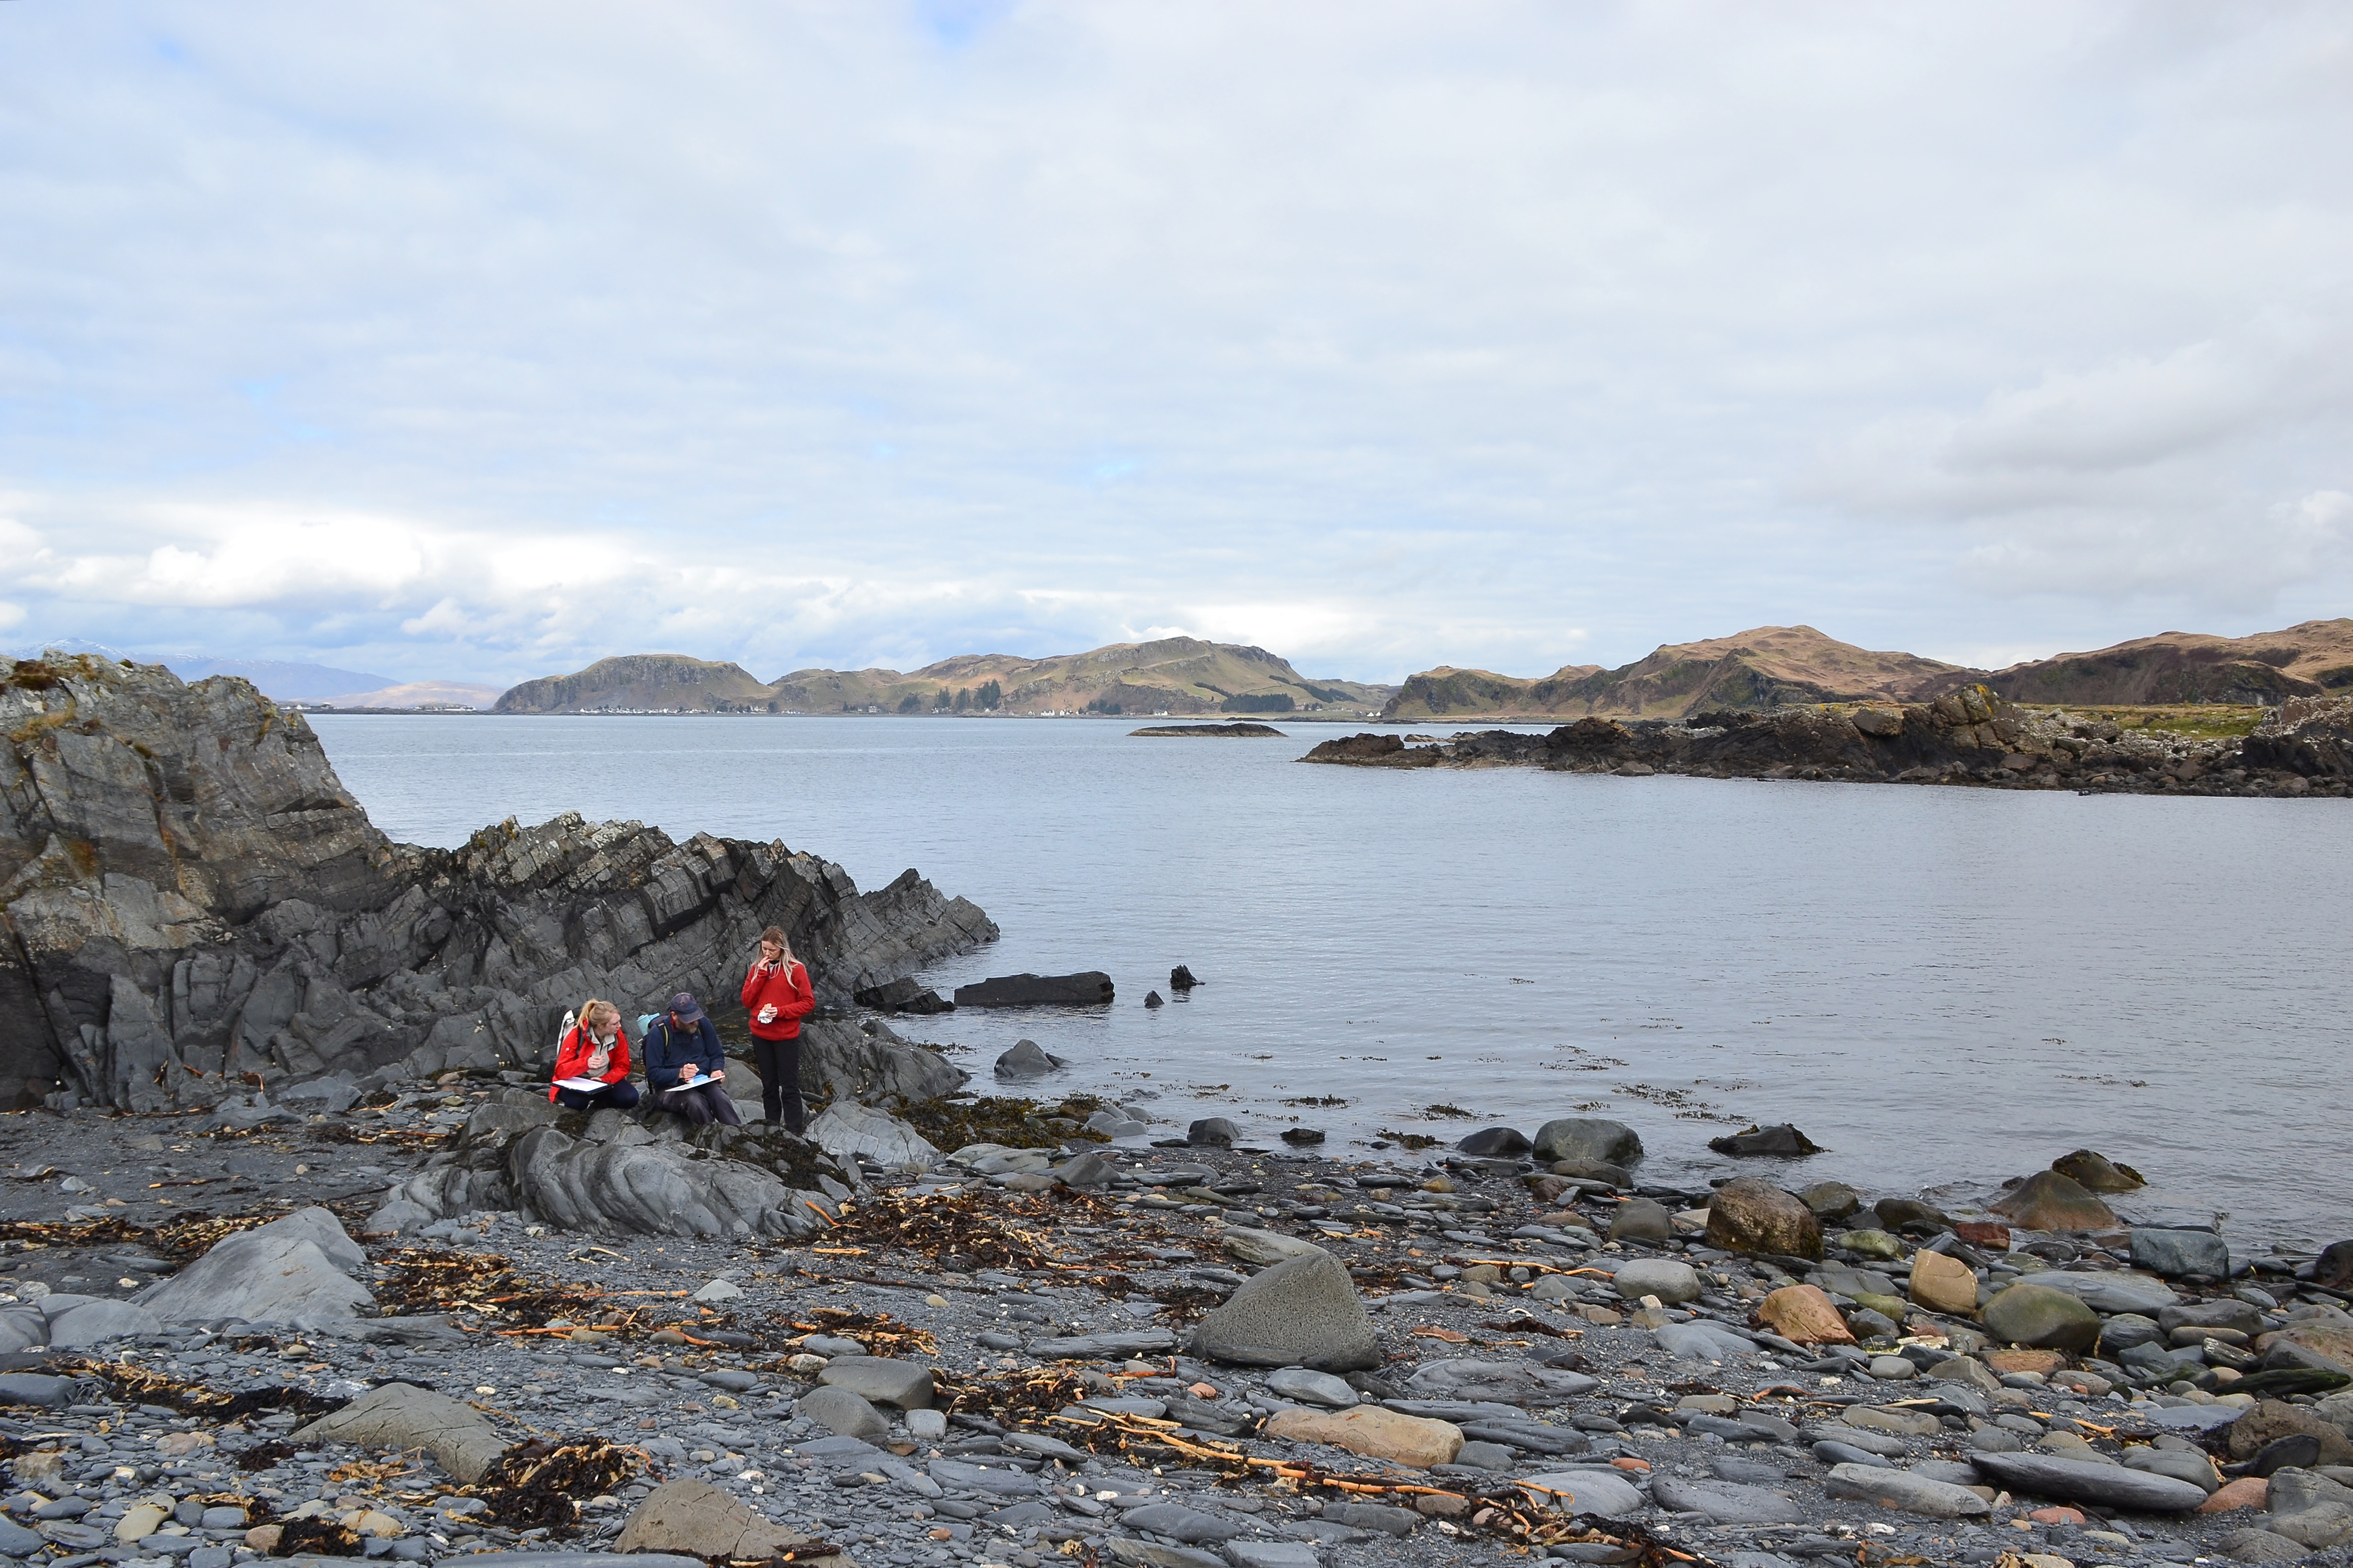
x: 537, y: 1485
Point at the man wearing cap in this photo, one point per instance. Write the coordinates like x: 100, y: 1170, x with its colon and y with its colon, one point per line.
x: 684, y: 1065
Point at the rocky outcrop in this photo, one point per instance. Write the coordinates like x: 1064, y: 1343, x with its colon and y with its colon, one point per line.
x: 613, y: 1174
x: 1967, y: 736
x: 190, y: 897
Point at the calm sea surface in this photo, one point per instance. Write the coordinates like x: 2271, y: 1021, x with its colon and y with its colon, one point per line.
x: 1938, y: 986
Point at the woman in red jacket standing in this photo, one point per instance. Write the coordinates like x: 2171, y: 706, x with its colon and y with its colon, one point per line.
x: 777, y: 994
x: 594, y: 1050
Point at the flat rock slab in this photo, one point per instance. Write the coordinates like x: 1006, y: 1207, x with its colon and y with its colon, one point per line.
x: 958, y: 1475
x: 1904, y: 1490
x: 699, y: 1520
x: 2082, y: 1480
x: 95, y: 1321
x: 1311, y: 1388
x: 1262, y: 1246
x: 1727, y: 1502
x: 1701, y: 1341
x: 1101, y: 1347
x: 401, y: 1415
x: 1271, y: 1554
x: 1513, y: 1383
x: 881, y: 1381
x: 1604, y: 1492
x: 1178, y: 1522
x: 2114, y: 1291
x: 1152, y: 1554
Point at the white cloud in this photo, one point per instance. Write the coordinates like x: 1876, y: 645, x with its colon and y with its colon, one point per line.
x: 460, y: 341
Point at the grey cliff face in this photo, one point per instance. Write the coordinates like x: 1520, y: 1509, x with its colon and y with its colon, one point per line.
x: 189, y: 893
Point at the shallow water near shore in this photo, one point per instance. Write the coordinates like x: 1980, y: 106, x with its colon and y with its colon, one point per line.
x: 1938, y: 984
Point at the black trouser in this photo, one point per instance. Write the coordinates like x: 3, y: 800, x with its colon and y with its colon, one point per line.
x: 780, y: 1081
x: 705, y: 1103
x: 619, y: 1096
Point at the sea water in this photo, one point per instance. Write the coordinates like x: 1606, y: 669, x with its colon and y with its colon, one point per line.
x: 1939, y: 985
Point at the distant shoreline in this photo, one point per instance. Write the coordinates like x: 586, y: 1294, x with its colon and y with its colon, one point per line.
x: 312, y: 710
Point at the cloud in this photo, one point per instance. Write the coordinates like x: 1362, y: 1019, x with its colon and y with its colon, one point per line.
x: 465, y: 342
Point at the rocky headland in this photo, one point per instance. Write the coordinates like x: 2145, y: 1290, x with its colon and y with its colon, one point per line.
x: 1970, y: 736
x: 276, y: 1306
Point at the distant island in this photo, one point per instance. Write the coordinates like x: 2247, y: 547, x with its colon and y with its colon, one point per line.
x: 1167, y: 677
x: 1770, y: 668
x: 1245, y: 732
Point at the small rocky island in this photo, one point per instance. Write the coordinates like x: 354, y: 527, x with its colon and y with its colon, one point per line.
x: 1244, y: 731
x: 354, y: 1287
x: 2304, y: 747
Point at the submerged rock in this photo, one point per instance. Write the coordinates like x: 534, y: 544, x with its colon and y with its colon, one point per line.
x: 1089, y: 989
x: 2097, y: 1173
x: 1028, y: 1058
x: 1783, y: 1142
x: 2049, y: 1200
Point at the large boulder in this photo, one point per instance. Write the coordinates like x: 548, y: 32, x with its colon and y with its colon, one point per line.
x: 1588, y: 1138
x: 1803, y: 1313
x: 1944, y: 1284
x: 1302, y: 1312
x: 401, y: 1415
x: 1750, y: 1214
x: 1089, y: 989
x: 2049, y: 1200
x: 2176, y: 1253
x: 1671, y: 1279
x: 292, y: 1269
x: 2040, y: 1318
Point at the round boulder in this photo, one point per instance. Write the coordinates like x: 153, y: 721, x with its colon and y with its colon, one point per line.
x: 1751, y: 1214
x: 1671, y: 1282
x: 1832, y: 1200
x: 1640, y: 1219
x: 2041, y: 1319
x: 1588, y: 1138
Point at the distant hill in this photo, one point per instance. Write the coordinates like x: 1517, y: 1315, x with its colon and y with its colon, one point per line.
x: 280, y: 680
x: 642, y: 683
x: 1172, y: 675
x: 2190, y: 667
x: 1770, y: 666
x: 419, y: 694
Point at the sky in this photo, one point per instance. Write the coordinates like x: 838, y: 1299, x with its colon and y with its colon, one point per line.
x: 476, y: 343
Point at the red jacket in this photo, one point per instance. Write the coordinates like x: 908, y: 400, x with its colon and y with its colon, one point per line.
x: 572, y: 1057
x: 786, y: 986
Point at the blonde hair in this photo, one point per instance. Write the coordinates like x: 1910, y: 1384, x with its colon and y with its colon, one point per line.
x: 595, y: 1008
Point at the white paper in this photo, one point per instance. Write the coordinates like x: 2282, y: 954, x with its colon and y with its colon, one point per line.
x: 585, y: 1085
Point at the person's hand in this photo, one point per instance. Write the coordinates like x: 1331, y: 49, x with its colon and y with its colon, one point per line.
x: 717, y: 1074
x: 769, y: 1014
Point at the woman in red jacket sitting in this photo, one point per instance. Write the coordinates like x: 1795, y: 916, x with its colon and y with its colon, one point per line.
x: 777, y: 996
x: 594, y: 1050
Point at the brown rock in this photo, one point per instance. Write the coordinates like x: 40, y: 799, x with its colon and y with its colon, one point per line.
x: 1750, y: 1214
x: 2045, y: 1362
x: 1801, y: 1312
x: 696, y: 1519
x: 2096, y: 1173
x: 2331, y: 1342
x: 1944, y: 1284
x: 2271, y: 1420
x: 1369, y: 1430
x: 1983, y: 1233
x: 2247, y: 1492
x: 2049, y: 1200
